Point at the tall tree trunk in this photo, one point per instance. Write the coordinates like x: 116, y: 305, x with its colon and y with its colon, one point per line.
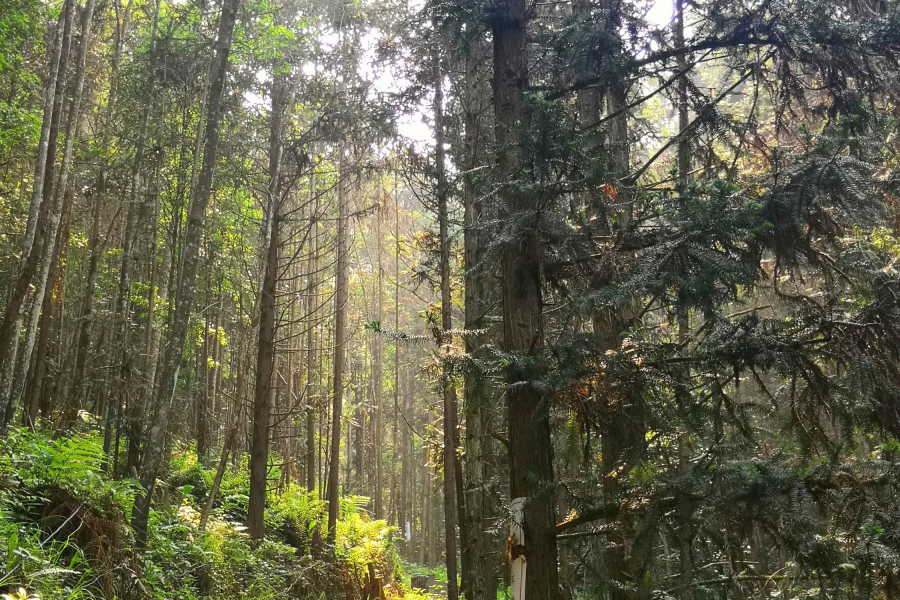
x: 98, y: 198
x: 312, y: 373
x: 227, y: 444
x: 426, y: 550
x: 135, y: 217
x: 83, y: 342
x: 202, y: 428
x: 39, y: 389
x: 341, y: 302
x: 433, y: 517
x: 531, y: 460
x: 686, y: 531
x: 159, y: 278
x: 378, y: 368
x: 36, y: 232
x: 52, y: 92
x: 289, y: 472
x: 479, y: 509
x: 445, y: 338
x: 268, y: 320
x: 620, y: 439
x: 49, y: 245
x: 404, y: 516
x: 155, y: 446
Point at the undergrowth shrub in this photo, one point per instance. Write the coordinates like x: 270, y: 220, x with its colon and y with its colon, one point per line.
x: 186, y: 470
x: 362, y: 541
x: 63, y: 523
x: 64, y: 532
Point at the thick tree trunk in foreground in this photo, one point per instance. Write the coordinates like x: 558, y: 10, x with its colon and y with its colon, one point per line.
x: 479, y: 546
x: 155, y: 448
x: 531, y: 464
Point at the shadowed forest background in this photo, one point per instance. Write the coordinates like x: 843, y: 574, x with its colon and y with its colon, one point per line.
x: 328, y: 299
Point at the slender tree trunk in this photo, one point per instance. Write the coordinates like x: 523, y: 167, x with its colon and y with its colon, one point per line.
x: 425, y: 533
x: 230, y: 438
x: 51, y: 106
x: 378, y: 370
x: 620, y: 439
x: 606, y: 326
x: 135, y: 217
x: 286, y: 413
x: 202, y: 428
x: 154, y: 450
x: 311, y: 355
x: 155, y: 297
x: 341, y: 302
x: 218, y: 360
x: 83, y: 345
x: 46, y: 158
x: 404, y: 516
x: 37, y: 229
x: 268, y: 320
x: 686, y: 531
x: 39, y: 381
x: 433, y: 517
x: 445, y: 338
x: 49, y: 245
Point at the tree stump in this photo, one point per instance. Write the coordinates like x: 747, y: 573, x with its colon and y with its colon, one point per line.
x: 420, y: 582
x: 373, y: 586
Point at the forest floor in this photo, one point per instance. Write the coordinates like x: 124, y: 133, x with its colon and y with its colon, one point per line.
x: 64, y: 533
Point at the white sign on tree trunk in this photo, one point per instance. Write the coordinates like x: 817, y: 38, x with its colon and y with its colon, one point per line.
x: 517, y: 533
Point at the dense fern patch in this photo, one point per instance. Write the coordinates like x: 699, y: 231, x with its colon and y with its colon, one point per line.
x: 64, y: 533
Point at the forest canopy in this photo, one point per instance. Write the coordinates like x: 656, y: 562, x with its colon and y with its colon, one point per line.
x: 544, y: 300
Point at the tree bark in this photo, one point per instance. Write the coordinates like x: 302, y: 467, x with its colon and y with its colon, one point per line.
x: 403, y: 506
x: 479, y: 544
x: 202, y: 430
x: 289, y: 472
x: 531, y: 460
x: 51, y: 94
